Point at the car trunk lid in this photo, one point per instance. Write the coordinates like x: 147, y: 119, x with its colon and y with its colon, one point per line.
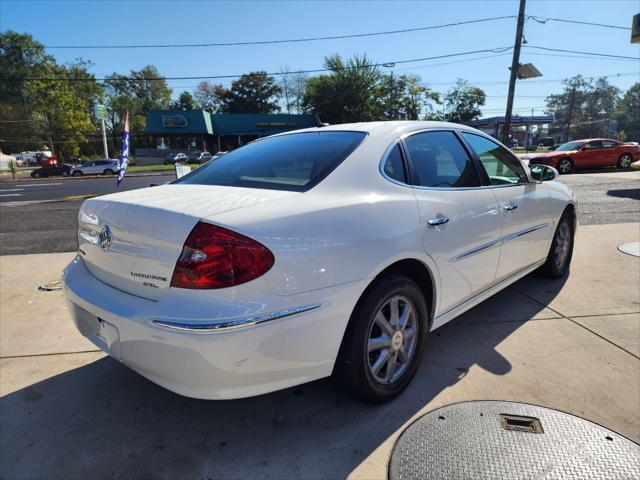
x: 132, y: 240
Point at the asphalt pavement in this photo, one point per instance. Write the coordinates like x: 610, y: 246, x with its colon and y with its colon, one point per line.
x: 59, y: 188
x: 41, y: 216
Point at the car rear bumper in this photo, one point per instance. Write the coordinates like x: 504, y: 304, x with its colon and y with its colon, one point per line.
x: 293, y: 341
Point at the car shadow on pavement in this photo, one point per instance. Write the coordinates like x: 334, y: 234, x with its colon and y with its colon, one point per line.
x: 632, y: 193
x: 103, y: 420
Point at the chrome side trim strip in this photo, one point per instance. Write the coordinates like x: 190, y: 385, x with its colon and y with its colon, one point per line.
x: 524, y: 232
x: 235, y: 324
x: 495, y: 243
x: 475, y: 250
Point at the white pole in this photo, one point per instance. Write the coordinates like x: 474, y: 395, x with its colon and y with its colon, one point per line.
x: 104, y: 140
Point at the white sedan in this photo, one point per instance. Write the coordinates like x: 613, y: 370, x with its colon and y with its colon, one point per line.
x: 326, y: 251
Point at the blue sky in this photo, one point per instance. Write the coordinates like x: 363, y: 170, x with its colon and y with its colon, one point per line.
x: 147, y: 22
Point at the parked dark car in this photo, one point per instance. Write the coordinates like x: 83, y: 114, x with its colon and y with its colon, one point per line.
x: 52, y: 170
x: 546, y: 142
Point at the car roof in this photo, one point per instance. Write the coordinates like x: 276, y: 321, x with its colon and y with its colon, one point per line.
x: 595, y: 139
x: 398, y: 126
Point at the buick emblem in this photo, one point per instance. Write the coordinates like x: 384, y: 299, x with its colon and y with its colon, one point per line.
x: 105, y: 236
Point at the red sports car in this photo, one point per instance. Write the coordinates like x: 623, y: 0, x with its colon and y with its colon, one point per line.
x: 590, y: 153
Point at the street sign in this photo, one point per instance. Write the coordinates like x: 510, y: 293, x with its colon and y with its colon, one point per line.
x: 100, y: 111
x: 635, y: 29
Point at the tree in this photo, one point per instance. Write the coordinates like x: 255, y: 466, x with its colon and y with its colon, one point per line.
x: 254, y: 92
x: 293, y: 87
x: 209, y: 96
x: 406, y: 97
x: 184, y: 102
x: 350, y: 93
x: 628, y: 114
x: 44, y: 101
x: 462, y: 102
x: 150, y: 88
x: 20, y: 57
x: 585, y: 107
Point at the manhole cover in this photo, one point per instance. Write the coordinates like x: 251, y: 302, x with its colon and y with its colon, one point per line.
x: 496, y: 440
x: 52, y: 285
x: 631, y: 248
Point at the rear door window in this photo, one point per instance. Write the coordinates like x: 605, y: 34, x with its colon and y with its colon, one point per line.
x: 438, y: 159
x: 295, y: 162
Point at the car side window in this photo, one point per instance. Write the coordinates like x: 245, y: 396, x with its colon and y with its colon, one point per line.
x: 608, y: 144
x: 501, y: 166
x: 595, y: 144
x: 394, y: 166
x: 439, y: 160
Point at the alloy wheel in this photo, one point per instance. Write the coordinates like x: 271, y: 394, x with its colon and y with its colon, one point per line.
x: 563, y: 245
x: 625, y: 161
x: 564, y: 166
x: 392, y: 339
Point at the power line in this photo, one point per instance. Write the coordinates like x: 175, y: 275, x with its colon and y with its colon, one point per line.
x: 291, y: 40
x: 578, y: 22
x: 538, y: 19
x: 317, y: 70
x: 323, y: 70
x: 606, y: 55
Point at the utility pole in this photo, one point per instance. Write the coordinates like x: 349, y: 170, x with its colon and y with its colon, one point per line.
x: 573, y: 97
x: 104, y: 140
x: 515, y: 64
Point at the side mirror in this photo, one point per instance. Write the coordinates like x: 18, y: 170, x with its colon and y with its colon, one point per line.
x: 543, y: 173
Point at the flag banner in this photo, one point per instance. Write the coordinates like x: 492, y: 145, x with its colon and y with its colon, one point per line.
x: 124, y: 156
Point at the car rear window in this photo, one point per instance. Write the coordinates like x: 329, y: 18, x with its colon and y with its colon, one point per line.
x: 295, y: 162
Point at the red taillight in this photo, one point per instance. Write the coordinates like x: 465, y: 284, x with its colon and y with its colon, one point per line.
x: 214, y: 257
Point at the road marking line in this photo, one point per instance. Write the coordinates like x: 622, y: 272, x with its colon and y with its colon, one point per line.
x: 11, y: 195
x: 40, y: 184
x: 12, y: 190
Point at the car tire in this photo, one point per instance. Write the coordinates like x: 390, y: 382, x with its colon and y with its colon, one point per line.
x: 108, y: 171
x: 77, y: 173
x: 36, y: 175
x: 65, y: 173
x: 561, y: 251
x: 565, y: 165
x: 625, y: 160
x: 360, y: 354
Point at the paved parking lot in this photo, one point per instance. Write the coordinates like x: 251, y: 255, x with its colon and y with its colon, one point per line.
x: 69, y: 412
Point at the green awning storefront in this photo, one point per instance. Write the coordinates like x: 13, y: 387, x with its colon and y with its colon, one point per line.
x: 190, y: 123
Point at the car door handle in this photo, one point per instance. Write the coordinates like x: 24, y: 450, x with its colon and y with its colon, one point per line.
x: 509, y: 206
x: 434, y: 222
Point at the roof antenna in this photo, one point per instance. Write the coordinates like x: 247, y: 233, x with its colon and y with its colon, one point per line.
x: 320, y: 123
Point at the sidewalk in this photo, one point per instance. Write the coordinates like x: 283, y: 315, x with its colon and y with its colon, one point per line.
x: 67, y: 411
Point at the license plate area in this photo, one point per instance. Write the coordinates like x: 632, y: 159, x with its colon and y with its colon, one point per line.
x: 102, y: 333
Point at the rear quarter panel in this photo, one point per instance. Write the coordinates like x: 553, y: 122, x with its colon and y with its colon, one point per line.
x: 325, y: 240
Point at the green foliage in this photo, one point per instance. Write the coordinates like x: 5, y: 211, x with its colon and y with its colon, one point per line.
x: 185, y: 102
x: 53, y: 111
x: 255, y: 92
x: 405, y: 97
x: 592, y: 104
x: 209, y: 96
x: 462, y: 102
x: 350, y: 93
x: 628, y: 114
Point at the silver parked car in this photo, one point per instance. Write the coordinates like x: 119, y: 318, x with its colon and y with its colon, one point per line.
x: 108, y: 166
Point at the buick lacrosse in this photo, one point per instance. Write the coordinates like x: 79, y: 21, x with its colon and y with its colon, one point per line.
x: 326, y: 251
